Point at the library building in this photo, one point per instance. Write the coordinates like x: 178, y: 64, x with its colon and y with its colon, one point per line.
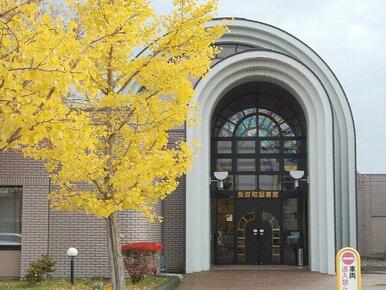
x: 273, y: 183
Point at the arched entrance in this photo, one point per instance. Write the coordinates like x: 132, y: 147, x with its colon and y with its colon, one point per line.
x: 258, y: 136
x: 257, y: 52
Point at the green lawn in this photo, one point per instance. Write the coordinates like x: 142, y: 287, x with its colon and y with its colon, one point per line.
x: 148, y: 283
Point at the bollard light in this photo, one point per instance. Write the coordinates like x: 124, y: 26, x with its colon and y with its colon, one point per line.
x: 72, y: 253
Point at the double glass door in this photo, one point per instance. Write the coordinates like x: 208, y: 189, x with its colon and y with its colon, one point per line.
x: 258, y: 238
x: 258, y: 231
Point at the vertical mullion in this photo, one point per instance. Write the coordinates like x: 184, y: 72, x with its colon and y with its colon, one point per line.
x: 281, y: 232
x: 214, y: 200
x: 281, y: 178
x: 233, y: 158
x: 234, y: 170
x: 257, y: 162
x: 281, y: 162
x: 257, y: 140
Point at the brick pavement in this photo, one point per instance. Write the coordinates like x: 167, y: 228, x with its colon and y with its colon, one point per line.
x: 279, y: 279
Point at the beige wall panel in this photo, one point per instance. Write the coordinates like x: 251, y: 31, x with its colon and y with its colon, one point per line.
x: 379, y: 234
x: 10, y: 263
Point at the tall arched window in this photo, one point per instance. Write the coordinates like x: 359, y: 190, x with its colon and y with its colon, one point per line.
x: 258, y: 136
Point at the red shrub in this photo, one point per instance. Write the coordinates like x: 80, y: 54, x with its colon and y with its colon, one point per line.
x: 139, y: 259
x: 151, y: 247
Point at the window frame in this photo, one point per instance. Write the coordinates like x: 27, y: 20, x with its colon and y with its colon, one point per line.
x: 5, y: 247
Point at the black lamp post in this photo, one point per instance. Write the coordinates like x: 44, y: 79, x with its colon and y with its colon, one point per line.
x: 72, y: 253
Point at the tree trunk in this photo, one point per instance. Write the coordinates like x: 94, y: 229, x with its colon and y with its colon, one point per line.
x: 117, y: 273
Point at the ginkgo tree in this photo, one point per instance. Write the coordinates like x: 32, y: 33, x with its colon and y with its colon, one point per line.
x: 102, y: 110
x: 35, y: 70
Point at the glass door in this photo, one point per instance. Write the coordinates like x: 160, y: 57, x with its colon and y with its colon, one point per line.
x: 258, y: 238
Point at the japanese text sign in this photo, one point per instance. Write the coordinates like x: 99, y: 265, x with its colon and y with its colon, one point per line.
x: 348, y: 268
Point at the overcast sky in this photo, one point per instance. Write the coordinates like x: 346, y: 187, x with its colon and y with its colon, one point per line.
x: 350, y: 35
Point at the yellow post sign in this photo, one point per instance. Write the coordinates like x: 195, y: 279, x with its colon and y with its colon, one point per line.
x: 348, y: 270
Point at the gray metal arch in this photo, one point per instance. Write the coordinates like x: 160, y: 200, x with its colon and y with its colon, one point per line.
x: 345, y: 203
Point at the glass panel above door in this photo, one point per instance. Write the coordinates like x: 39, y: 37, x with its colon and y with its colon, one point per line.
x: 245, y: 146
x: 291, y: 164
x: 269, y: 147
x: 246, y: 164
x: 224, y: 147
x: 246, y: 182
x: 269, y: 182
x: 292, y: 147
x: 224, y: 165
x: 269, y: 164
x: 247, y: 128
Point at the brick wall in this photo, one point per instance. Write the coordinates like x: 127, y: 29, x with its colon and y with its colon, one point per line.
x: 173, y: 226
x: 18, y: 171
x: 173, y: 236
x: 88, y: 235
x: 371, y: 191
x: 45, y: 231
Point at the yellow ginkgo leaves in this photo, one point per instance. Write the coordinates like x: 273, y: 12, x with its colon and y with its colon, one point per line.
x: 75, y: 94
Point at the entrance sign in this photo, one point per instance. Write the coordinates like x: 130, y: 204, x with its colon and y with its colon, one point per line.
x: 258, y: 194
x: 348, y: 270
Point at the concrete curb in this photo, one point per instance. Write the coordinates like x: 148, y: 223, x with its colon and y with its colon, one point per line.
x: 171, y: 283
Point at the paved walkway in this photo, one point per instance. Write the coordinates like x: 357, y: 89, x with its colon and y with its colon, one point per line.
x: 270, y: 279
